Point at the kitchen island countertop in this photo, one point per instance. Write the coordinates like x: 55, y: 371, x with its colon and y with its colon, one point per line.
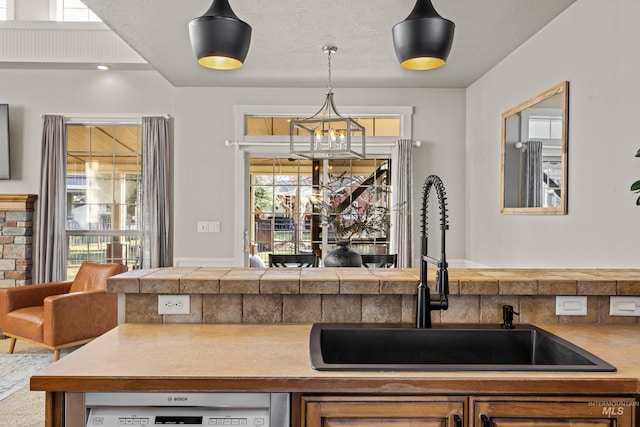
x: 263, y: 357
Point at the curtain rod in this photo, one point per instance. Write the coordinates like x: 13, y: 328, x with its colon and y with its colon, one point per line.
x: 230, y: 143
x: 105, y: 117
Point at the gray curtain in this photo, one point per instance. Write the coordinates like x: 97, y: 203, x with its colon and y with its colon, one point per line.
x: 155, y: 192
x: 50, y: 254
x: 532, y: 177
x: 401, y: 202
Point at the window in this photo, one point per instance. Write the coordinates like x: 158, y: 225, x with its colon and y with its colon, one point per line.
x: 279, y: 125
x: 548, y: 129
x: 6, y: 10
x: 103, y: 194
x: 74, y: 11
x: 545, y: 127
x: 305, y: 206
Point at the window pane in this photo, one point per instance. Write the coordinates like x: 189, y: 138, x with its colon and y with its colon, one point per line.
x: 387, y: 126
x: 120, y: 249
x: 538, y: 128
x: 556, y: 129
x: 70, y: 4
x: 75, y: 15
x: 103, y: 194
x: 259, y: 126
x: 75, y: 10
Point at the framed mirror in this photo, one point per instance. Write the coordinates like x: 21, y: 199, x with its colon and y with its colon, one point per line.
x: 534, y: 141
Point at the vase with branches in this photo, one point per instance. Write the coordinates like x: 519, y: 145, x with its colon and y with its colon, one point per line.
x: 351, y: 209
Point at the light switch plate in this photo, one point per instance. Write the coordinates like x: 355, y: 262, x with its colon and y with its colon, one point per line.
x: 571, y: 305
x: 624, y: 306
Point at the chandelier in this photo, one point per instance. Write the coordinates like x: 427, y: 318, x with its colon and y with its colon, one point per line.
x: 330, y: 134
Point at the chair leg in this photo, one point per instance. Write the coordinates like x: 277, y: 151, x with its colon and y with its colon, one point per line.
x: 56, y: 354
x: 12, y: 345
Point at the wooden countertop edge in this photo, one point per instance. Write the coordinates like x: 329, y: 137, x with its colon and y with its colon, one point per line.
x: 391, y: 385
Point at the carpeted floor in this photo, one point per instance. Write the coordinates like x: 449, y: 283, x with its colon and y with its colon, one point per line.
x: 16, y: 369
x: 23, y: 408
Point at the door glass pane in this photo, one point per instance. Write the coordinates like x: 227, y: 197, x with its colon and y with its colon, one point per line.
x: 293, y: 202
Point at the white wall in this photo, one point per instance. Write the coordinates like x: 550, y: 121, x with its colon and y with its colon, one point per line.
x: 204, y: 167
x: 593, y: 45
x: 203, y: 118
x: 32, y: 93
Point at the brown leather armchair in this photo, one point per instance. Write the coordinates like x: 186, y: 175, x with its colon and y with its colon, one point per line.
x: 61, y: 314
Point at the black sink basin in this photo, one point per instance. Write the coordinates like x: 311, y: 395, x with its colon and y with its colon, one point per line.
x: 366, y: 347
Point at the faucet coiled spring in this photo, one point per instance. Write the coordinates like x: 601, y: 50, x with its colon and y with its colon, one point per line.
x: 434, y: 180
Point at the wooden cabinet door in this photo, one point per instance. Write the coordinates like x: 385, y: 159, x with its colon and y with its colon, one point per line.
x: 382, y: 411
x: 560, y: 411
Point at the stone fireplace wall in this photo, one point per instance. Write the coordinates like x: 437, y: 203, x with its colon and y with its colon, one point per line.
x: 16, y: 239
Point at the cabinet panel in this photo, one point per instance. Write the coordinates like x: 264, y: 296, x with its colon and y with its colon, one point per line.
x: 381, y: 411
x: 498, y: 411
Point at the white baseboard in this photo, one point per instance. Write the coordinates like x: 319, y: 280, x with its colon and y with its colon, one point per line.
x: 204, y: 262
x: 465, y: 263
x: 230, y: 262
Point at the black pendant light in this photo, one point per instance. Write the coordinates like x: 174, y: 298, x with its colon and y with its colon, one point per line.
x: 423, y: 40
x: 219, y: 38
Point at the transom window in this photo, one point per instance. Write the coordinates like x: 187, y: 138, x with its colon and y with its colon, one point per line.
x: 74, y: 11
x: 4, y: 10
x: 542, y: 127
x: 279, y: 125
x: 104, y: 170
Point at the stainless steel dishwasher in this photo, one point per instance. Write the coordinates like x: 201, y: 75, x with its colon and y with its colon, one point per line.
x: 117, y: 409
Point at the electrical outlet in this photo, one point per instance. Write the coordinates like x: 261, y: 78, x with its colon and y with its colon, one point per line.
x: 624, y: 306
x: 203, y: 227
x: 571, y: 305
x: 173, y: 304
x: 214, y: 227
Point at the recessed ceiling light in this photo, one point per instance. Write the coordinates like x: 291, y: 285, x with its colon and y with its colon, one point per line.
x: 103, y: 67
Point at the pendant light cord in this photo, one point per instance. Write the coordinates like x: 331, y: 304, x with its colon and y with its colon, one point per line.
x: 329, y: 79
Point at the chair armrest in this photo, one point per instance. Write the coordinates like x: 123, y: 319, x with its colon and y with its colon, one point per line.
x: 30, y: 295
x: 79, y: 316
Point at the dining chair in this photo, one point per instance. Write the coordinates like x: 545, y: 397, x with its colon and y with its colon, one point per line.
x: 293, y: 260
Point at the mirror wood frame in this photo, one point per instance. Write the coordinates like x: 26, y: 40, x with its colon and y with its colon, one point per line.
x: 563, y: 90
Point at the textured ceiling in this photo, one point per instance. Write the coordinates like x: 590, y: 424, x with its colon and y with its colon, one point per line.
x: 288, y: 35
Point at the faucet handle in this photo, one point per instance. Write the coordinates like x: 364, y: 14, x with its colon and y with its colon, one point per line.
x: 442, y: 281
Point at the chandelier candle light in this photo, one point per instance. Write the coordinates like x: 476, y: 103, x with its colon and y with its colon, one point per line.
x: 331, y: 135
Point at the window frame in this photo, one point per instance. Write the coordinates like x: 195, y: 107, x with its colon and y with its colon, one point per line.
x: 109, y: 233
x: 277, y: 146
